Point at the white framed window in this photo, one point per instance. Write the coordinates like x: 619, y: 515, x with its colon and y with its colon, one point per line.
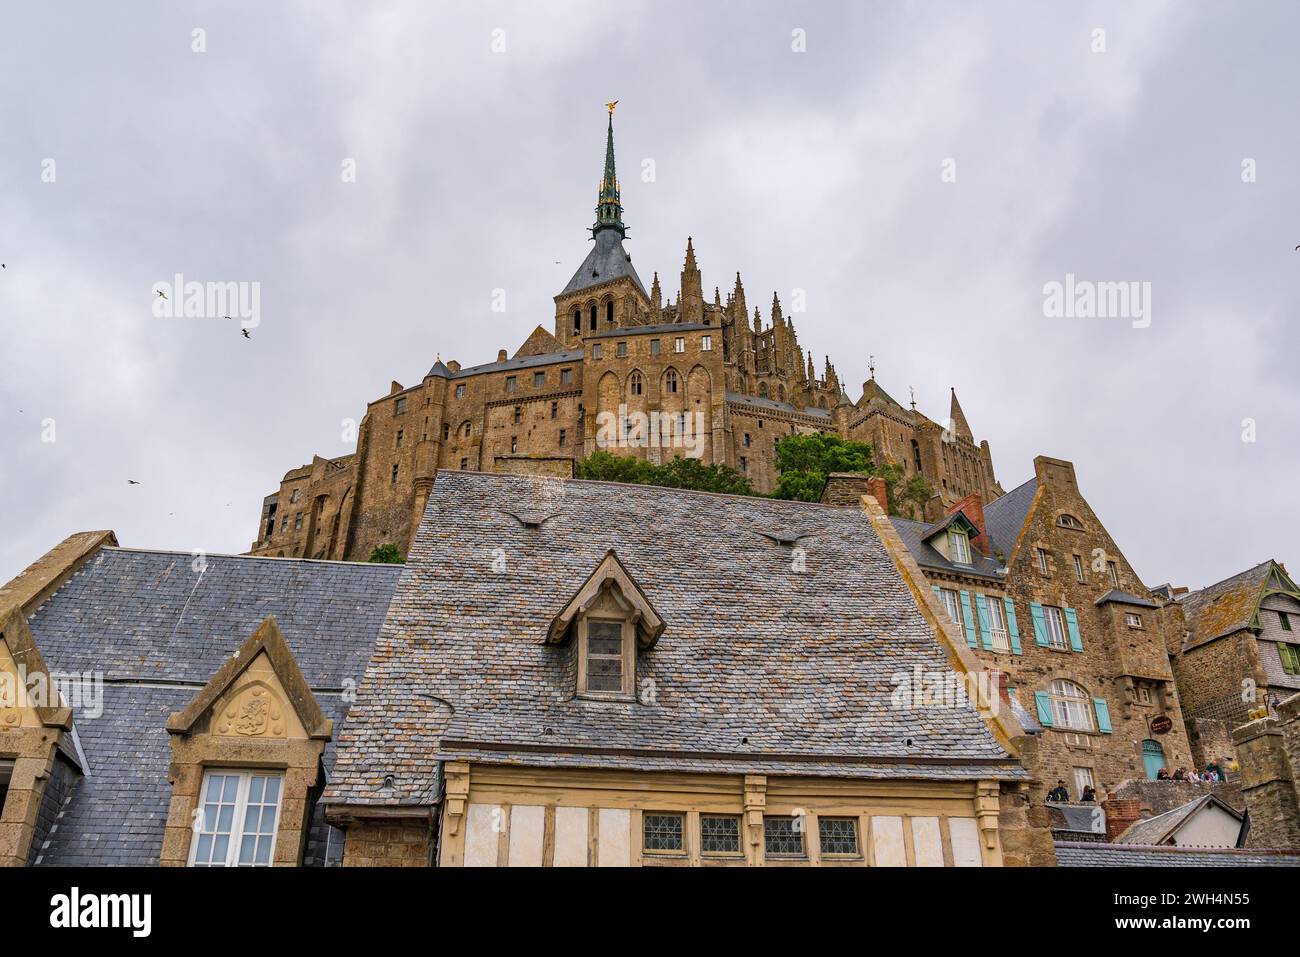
x: 998, y: 624
x: 1055, y: 621
x: 1078, y: 570
x: 706, y: 343
x: 679, y: 344
x: 1114, y: 574
x: 1082, y: 780
x: 1132, y: 620
x: 237, y: 819
x: 959, y: 546
x: 952, y: 605
x: 1144, y: 693
x: 1069, y: 521
x: 460, y: 391
x: 1041, y: 555
x: 1071, y: 706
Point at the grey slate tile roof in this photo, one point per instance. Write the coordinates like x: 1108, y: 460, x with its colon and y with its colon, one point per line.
x: 760, y: 667
x: 914, y: 534
x: 1004, y: 517
x: 1154, y: 830
x: 1086, y: 854
x: 1125, y: 598
x: 149, y: 615
x: 159, y: 630
x: 521, y: 362
x: 661, y: 328
x: 758, y: 402
x: 607, y: 260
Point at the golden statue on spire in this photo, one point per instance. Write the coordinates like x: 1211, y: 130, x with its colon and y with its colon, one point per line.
x: 610, y: 106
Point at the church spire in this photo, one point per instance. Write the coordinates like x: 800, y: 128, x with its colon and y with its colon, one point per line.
x: 609, y: 206
x: 957, y: 423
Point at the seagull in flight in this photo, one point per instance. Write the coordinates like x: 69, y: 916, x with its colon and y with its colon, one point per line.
x: 245, y: 332
x: 161, y: 293
x: 132, y: 482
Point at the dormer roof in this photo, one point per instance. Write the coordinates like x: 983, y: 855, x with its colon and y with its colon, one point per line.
x: 609, y: 577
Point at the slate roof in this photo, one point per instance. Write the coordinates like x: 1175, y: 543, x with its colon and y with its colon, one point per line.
x: 1225, y: 606
x: 158, y: 630
x: 758, y: 402
x: 914, y: 535
x: 521, y: 362
x: 663, y: 327
x: 1087, y: 854
x: 1004, y: 517
x: 1124, y: 598
x: 608, y: 260
x: 760, y: 668
x: 1156, y: 830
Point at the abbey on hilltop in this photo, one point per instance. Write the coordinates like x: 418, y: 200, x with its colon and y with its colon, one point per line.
x: 623, y: 371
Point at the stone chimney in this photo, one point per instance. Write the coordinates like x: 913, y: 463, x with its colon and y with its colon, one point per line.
x: 847, y: 488
x: 972, y: 506
x: 1120, y: 813
x: 501, y: 355
x: 1268, y: 750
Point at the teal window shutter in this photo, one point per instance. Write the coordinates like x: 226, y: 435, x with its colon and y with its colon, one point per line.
x: 1040, y: 625
x: 1011, y: 626
x: 1103, y: 715
x: 968, y: 618
x: 982, y: 609
x: 1044, y: 704
x: 1072, y: 624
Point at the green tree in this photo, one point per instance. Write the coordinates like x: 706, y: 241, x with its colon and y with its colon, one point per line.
x: 804, y: 462
x: 686, y: 473
x: 387, y: 554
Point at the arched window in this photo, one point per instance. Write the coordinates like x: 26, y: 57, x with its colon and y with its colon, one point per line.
x: 464, y: 429
x: 577, y: 320
x: 670, y: 380
x: 1069, y: 521
x: 762, y: 389
x: 609, y: 311
x: 593, y: 317
x: 916, y: 455
x: 634, y: 383
x: 780, y: 392
x: 1071, y: 706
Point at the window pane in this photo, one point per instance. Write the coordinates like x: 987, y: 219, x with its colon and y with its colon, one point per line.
x: 783, y: 836
x: 719, y: 835
x: 663, y: 832
x: 605, y: 646
x: 839, y: 835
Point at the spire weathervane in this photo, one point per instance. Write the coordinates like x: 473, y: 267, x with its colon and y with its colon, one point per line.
x: 609, y: 205
x: 871, y: 365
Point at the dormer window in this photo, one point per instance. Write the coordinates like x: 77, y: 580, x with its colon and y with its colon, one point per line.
x: 605, y: 664
x: 959, y: 546
x: 609, y: 618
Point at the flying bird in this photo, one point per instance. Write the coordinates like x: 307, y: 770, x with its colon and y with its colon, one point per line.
x: 161, y: 293
x: 245, y: 332
x: 132, y: 482
x: 225, y: 317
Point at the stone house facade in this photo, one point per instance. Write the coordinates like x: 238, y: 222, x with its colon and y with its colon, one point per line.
x: 622, y: 370
x: 1238, y: 655
x: 1041, y: 592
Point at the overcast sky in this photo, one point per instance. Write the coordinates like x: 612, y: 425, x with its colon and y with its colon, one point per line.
x: 821, y: 170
